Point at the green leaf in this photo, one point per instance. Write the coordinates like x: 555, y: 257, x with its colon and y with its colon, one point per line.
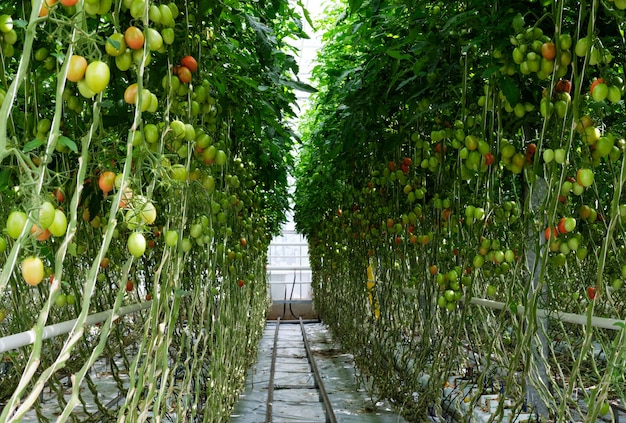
x: 297, y: 85
x: 620, y: 325
x: 31, y: 145
x: 181, y: 292
x: 66, y: 142
x: 518, y: 23
x: 397, y: 55
x: 510, y: 91
x: 490, y: 71
x: 20, y: 23
x: 355, y: 5
x: 116, y: 44
x: 4, y: 179
x: 306, y: 14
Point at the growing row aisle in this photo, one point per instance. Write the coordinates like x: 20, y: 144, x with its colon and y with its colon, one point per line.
x: 296, y: 396
x: 461, y: 186
x: 144, y: 154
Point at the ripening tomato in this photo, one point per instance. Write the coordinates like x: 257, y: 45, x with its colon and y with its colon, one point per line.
x: 59, y: 194
x: 32, y: 270
x: 106, y: 181
x: 184, y: 74
x: 130, y: 285
x: 130, y: 93
x: 97, y: 76
x: 134, y: 37
x: 69, y: 3
x: 76, y: 68
x: 548, y: 50
x: 46, y: 5
x: 190, y: 63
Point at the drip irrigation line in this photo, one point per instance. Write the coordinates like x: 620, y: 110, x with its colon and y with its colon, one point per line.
x: 270, y: 388
x: 330, y: 414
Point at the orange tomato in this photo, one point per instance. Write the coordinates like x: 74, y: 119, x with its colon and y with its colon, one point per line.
x: 106, y: 181
x: 46, y: 5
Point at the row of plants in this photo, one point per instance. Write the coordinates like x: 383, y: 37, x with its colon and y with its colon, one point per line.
x: 144, y: 152
x: 472, y: 150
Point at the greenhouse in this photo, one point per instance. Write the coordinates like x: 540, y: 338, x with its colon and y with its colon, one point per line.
x: 312, y: 210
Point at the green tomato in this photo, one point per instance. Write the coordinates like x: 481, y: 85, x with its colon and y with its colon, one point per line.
x: 59, y: 223
x: 6, y: 23
x: 136, y: 244
x: 154, y: 39
x: 61, y: 300
x: 97, y: 76
x: 171, y: 238
x: 15, y: 223
x: 46, y: 214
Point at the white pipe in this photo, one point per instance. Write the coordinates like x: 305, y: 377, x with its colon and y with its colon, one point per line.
x: 579, y: 319
x: 22, y: 339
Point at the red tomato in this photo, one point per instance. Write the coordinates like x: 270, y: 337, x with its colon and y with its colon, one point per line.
x: 134, y: 38
x: 76, y: 68
x: 130, y: 286
x: 591, y: 292
x: 563, y: 86
x: 190, y: 63
x: 240, y: 282
x: 184, y: 74
x: 489, y: 159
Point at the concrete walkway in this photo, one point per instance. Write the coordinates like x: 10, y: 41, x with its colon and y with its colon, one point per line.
x: 295, y: 397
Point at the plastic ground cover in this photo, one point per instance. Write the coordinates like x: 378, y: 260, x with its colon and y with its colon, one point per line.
x: 295, y: 396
